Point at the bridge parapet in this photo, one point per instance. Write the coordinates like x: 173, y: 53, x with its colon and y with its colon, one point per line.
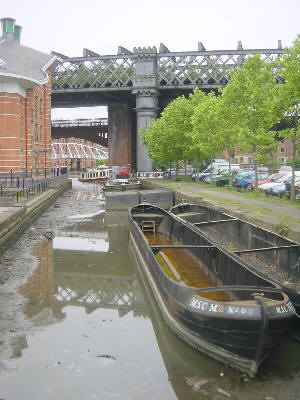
x: 103, y: 72
x: 202, y: 68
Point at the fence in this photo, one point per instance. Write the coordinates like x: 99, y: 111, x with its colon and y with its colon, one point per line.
x: 15, y: 190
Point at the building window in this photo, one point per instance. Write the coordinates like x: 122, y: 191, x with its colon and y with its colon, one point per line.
x: 41, y: 133
x: 250, y: 160
x: 282, y: 160
x: 36, y: 107
x: 31, y: 122
x: 241, y: 159
x: 41, y: 109
x: 36, y: 133
x: 282, y: 149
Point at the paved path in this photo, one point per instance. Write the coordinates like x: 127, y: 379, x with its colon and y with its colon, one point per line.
x: 273, y: 204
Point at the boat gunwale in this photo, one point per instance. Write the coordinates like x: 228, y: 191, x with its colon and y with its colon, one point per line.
x: 232, y: 218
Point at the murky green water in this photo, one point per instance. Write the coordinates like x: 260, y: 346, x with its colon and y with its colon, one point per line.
x: 99, y: 334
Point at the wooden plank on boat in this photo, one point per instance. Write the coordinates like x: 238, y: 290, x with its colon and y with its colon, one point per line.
x: 191, y: 214
x: 214, y: 222
x: 171, y: 266
x: 183, y: 246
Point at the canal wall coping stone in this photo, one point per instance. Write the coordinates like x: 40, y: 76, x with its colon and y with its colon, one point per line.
x: 125, y: 200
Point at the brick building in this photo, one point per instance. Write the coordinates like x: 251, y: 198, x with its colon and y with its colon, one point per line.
x: 25, y: 103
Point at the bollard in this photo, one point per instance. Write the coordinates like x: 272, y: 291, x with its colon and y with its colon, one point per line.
x: 18, y: 182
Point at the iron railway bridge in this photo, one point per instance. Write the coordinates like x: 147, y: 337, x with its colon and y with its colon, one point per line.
x: 137, y: 85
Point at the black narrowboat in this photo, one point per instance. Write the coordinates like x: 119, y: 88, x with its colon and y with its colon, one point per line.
x: 267, y: 253
x: 209, y: 299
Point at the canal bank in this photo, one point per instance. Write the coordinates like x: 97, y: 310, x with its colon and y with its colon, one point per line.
x: 273, y: 215
x: 14, y: 220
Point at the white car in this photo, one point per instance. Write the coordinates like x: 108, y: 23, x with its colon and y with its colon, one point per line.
x: 280, y: 179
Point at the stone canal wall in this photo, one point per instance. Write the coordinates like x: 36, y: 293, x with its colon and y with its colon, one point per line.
x: 127, y: 199
x: 14, y: 220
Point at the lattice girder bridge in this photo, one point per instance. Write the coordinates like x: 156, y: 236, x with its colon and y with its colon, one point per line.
x: 137, y: 85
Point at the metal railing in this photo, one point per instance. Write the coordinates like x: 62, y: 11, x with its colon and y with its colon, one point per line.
x: 74, y: 123
x: 19, y: 189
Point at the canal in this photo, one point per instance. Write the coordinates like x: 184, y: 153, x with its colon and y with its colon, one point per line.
x: 78, y: 321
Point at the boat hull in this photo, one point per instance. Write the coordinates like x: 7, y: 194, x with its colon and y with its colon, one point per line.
x: 233, y: 333
x: 267, y: 253
x: 95, y: 180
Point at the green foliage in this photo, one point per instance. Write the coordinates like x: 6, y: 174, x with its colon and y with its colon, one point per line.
x: 290, y: 97
x: 101, y: 162
x: 297, y: 163
x: 208, y: 140
x: 169, y: 137
x: 253, y: 94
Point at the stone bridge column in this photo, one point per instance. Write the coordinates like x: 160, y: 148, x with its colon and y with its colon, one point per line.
x: 145, y: 89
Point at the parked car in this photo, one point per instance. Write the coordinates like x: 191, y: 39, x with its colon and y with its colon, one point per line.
x: 242, y: 173
x: 206, y: 172
x: 244, y: 183
x: 215, y: 176
x: 280, y: 189
x: 269, y: 179
x: 223, y: 180
x: 297, y: 189
x: 266, y: 187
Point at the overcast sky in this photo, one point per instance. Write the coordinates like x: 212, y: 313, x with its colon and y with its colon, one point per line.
x: 68, y: 26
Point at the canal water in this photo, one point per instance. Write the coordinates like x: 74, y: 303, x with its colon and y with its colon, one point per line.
x: 90, y: 328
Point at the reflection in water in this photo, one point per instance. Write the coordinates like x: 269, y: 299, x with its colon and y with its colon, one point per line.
x: 79, y: 276
x: 39, y: 288
x: 92, y: 300
x: 86, y: 216
x: 85, y: 241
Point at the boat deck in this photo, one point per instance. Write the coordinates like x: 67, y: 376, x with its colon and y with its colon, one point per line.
x: 192, y: 273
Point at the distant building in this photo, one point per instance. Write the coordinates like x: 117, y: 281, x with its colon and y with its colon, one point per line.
x: 75, y: 159
x: 25, y: 103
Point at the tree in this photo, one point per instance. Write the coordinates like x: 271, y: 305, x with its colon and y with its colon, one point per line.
x: 228, y: 128
x: 169, y: 137
x: 290, y: 95
x: 208, y: 138
x: 254, y: 94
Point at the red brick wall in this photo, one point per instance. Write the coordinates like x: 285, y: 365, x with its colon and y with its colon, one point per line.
x: 25, y: 129
x: 12, y: 131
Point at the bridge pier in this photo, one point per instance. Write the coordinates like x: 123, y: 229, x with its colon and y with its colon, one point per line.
x: 120, y: 134
x: 145, y: 89
x: 146, y: 112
